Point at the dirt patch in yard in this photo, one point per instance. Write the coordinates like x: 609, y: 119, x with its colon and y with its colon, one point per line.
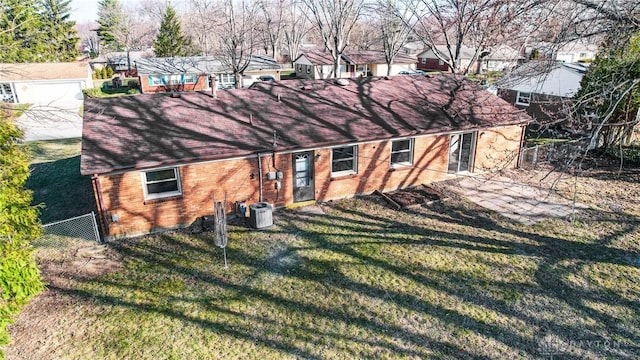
x: 417, y: 195
x: 64, y: 263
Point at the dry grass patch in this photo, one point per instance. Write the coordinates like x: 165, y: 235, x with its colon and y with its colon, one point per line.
x: 446, y: 280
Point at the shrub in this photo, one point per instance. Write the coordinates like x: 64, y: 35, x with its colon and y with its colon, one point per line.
x: 103, y: 73
x: 19, y: 225
x: 109, y: 72
x: 133, y: 84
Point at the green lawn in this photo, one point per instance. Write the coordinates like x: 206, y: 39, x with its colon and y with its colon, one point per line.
x: 56, y: 181
x: 448, y: 280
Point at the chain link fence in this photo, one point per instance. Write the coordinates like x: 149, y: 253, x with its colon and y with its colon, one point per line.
x: 79, y: 227
x: 532, y: 156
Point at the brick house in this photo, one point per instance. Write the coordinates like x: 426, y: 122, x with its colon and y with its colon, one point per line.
x: 195, y: 72
x: 499, y: 58
x: 429, y: 61
x: 157, y: 160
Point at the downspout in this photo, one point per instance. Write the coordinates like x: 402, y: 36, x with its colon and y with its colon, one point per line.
x: 522, y: 140
x: 101, y: 212
x: 260, y: 175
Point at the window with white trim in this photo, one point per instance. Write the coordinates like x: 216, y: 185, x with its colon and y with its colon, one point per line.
x: 161, y: 183
x: 423, y: 60
x: 523, y: 98
x: 402, y: 152
x: 461, y: 152
x: 6, y: 93
x: 175, y: 79
x: 344, y: 160
x: 362, y: 68
x: 190, y: 78
x: 226, y: 81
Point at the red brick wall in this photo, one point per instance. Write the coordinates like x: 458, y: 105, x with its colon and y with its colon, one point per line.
x: 375, y: 172
x: 201, y: 84
x: 123, y: 193
x: 431, y: 64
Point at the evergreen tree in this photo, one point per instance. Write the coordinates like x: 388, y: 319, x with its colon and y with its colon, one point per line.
x: 609, y: 93
x: 171, y: 41
x: 22, y: 38
x: 60, y: 30
x: 110, y: 20
x: 19, y: 225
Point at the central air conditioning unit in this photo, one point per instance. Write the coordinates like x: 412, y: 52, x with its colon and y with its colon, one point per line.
x: 260, y: 215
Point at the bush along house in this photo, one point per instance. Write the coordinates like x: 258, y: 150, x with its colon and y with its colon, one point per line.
x: 157, y: 160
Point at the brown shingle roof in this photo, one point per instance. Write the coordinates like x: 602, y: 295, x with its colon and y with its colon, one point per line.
x: 44, y: 71
x: 357, y: 57
x: 153, y: 130
x: 375, y: 57
x: 318, y: 57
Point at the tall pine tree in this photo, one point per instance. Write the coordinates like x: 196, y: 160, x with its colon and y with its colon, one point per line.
x: 110, y: 19
x: 171, y: 41
x: 62, y: 33
x: 22, y: 37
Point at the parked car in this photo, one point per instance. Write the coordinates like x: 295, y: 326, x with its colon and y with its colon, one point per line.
x: 266, y: 78
x: 412, y: 72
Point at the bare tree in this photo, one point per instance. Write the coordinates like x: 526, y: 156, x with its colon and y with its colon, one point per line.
x: 136, y: 32
x: 478, y: 24
x: 334, y: 20
x: 366, y: 33
x: 153, y: 10
x: 237, y: 36
x: 394, y: 31
x: 296, y: 26
x: 201, y: 21
x: 89, y: 37
x: 271, y: 25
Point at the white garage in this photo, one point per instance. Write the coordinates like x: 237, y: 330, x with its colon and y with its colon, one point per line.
x: 44, y: 83
x: 54, y: 90
x: 49, y: 93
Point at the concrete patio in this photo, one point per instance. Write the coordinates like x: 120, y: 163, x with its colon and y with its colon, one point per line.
x: 519, y: 202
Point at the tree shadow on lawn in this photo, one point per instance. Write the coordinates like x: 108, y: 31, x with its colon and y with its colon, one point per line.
x: 352, y: 282
x: 59, y: 186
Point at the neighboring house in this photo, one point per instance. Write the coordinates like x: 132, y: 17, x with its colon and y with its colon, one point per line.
x: 118, y: 61
x: 316, y: 64
x: 44, y: 83
x: 373, y: 63
x: 500, y: 58
x: 157, y: 160
x: 543, y: 89
x: 576, y: 51
x: 195, y: 73
x: 412, y: 48
x: 429, y: 61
